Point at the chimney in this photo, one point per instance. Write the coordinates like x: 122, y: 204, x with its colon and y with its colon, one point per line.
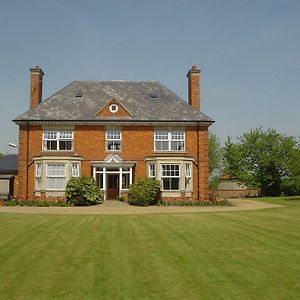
x: 36, y: 86
x: 194, y: 87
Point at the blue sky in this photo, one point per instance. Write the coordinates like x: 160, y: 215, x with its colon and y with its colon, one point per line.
x: 248, y: 51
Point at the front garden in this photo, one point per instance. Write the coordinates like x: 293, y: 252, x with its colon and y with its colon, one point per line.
x: 83, y: 191
x: 223, y: 255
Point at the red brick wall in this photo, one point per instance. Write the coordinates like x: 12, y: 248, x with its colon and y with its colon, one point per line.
x: 89, y: 143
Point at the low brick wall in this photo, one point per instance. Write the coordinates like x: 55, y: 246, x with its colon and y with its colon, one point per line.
x: 247, y: 193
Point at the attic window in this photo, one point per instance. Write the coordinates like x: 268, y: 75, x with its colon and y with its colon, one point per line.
x: 78, y: 94
x: 153, y: 95
x: 113, y: 108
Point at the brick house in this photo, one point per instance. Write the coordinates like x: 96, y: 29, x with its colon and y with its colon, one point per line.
x: 117, y: 132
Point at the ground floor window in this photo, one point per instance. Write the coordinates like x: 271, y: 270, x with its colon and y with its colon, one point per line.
x: 52, y: 174
x: 38, y: 176
x: 174, y: 173
x: 55, y: 176
x: 188, y: 176
x: 75, y: 170
x: 170, y: 177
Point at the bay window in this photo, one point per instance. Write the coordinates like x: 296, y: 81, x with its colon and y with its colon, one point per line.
x: 188, y: 176
x: 55, y: 176
x: 152, y: 171
x: 38, y: 176
x: 170, y: 177
x: 75, y: 170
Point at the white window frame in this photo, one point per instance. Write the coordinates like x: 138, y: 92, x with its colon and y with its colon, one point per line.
x: 58, y: 136
x: 114, y: 139
x: 113, y: 108
x: 169, y: 139
x: 55, y: 176
x: 75, y: 170
x: 169, y: 176
x: 188, y: 176
x: 38, y: 176
x: 152, y: 171
x: 126, y: 173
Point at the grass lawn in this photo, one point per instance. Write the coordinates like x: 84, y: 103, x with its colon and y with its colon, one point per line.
x: 228, y: 255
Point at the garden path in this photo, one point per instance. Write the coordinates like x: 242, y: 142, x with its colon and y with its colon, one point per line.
x: 117, y: 207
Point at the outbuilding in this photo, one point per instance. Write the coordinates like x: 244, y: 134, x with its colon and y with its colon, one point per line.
x: 8, y: 174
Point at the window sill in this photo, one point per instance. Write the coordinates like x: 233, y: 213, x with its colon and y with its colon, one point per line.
x: 169, y: 152
x: 58, y: 151
x: 113, y: 151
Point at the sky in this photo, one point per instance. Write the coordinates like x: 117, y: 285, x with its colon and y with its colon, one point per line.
x: 248, y: 53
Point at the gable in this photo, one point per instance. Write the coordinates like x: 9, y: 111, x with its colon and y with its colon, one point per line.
x: 113, y: 108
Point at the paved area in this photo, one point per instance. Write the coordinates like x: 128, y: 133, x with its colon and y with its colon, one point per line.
x: 118, y: 208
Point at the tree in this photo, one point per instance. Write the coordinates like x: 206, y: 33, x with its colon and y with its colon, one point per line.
x: 262, y: 159
x: 1, y: 155
x: 215, y: 160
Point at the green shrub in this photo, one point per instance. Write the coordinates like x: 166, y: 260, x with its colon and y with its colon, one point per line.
x: 11, y: 203
x: 83, y: 191
x: 144, y: 192
x: 37, y: 203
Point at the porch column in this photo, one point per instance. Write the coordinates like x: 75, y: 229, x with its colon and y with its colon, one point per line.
x: 130, y: 175
x: 104, y: 182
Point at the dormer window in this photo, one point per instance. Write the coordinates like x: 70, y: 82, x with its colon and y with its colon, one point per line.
x: 113, y: 108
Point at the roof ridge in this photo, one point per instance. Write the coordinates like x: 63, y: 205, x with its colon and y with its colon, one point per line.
x: 116, y: 80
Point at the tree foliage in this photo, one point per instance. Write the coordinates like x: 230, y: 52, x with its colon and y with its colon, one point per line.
x: 263, y: 159
x: 215, y: 160
x: 215, y: 154
x: 83, y: 191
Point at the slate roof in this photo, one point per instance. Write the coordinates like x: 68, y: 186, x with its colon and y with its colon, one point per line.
x: 9, y: 163
x: 135, y: 96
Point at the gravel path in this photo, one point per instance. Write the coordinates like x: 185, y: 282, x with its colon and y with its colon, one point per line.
x: 118, y: 208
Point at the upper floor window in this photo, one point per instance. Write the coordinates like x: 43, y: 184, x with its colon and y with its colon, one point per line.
x: 169, y: 140
x: 58, y: 140
x: 113, y: 140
